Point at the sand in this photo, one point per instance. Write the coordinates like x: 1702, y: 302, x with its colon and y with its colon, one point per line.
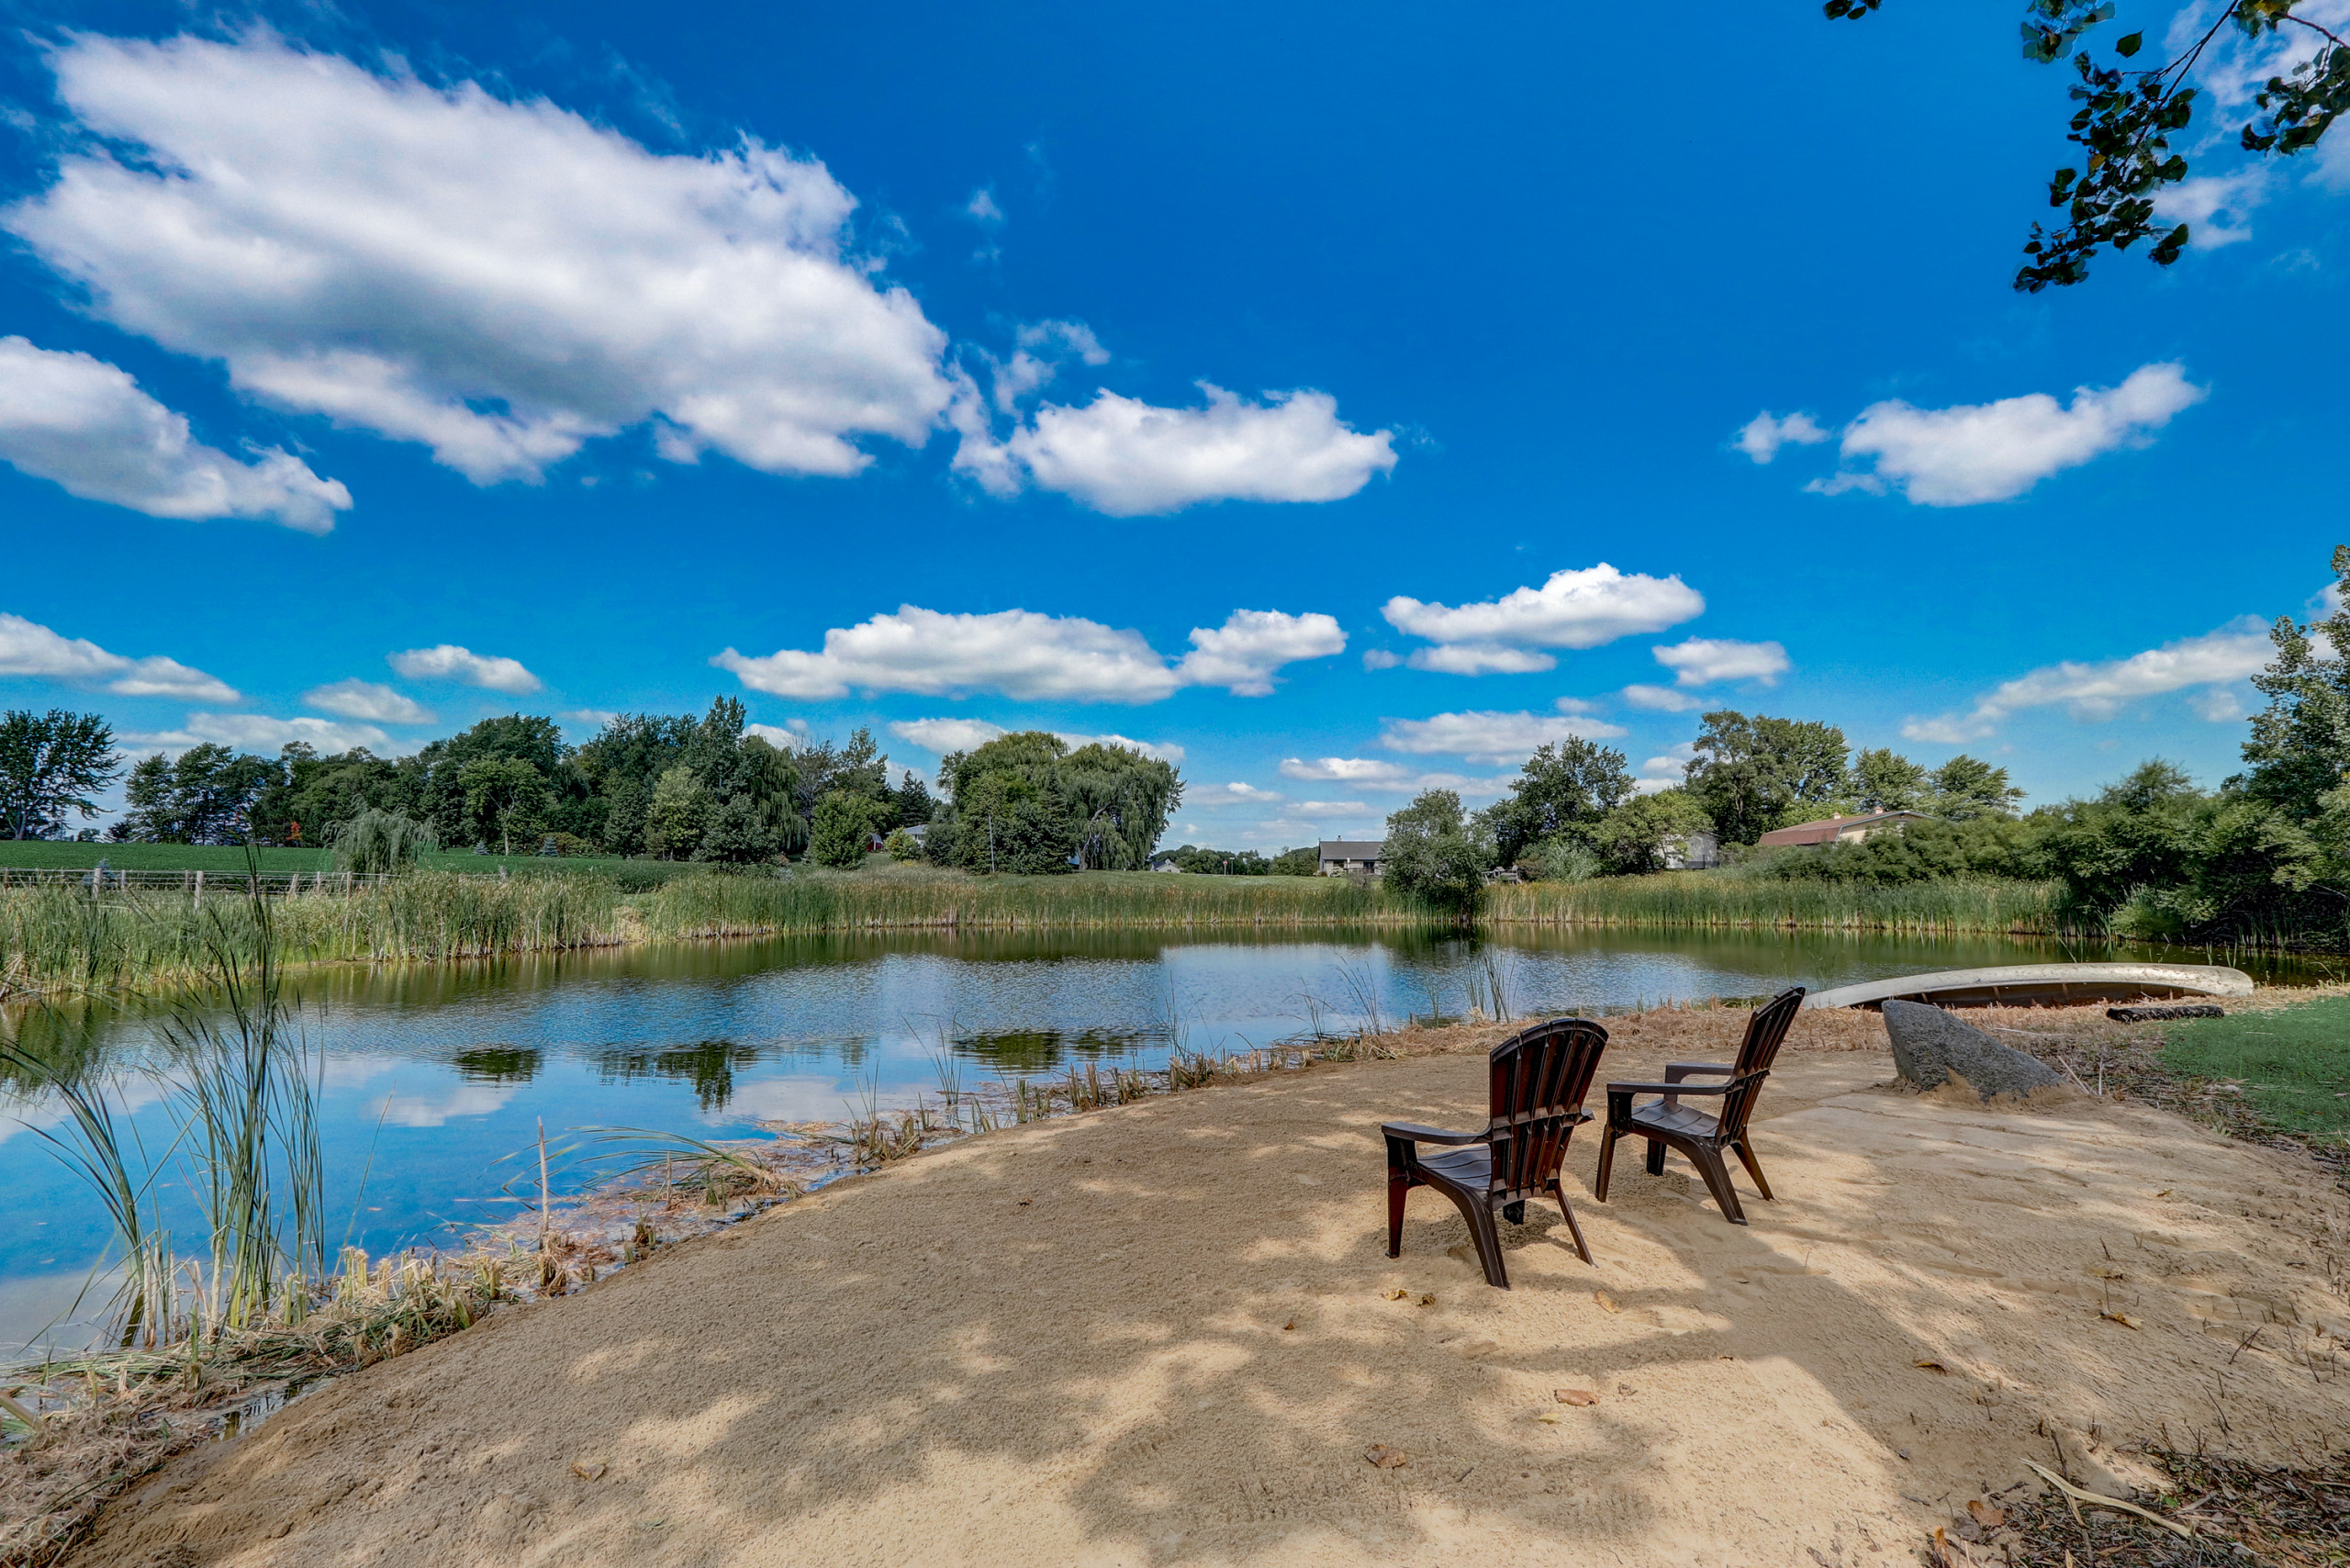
x: 1160, y: 1333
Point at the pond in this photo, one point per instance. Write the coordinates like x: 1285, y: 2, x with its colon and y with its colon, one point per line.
x: 437, y: 1078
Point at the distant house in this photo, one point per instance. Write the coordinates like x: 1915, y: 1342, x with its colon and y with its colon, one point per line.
x: 1842, y: 829
x: 1340, y: 856
x: 1164, y: 863
x: 1691, y: 851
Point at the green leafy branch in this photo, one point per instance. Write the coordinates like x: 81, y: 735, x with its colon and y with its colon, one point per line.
x: 2127, y: 116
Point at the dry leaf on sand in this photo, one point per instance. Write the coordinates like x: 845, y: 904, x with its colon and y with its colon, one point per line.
x: 1575, y: 1396
x: 586, y: 1472
x: 1987, y: 1514
x: 1931, y: 1366
x: 1428, y: 1300
x: 1550, y: 1418
x: 1384, y: 1457
x: 1292, y: 1324
x: 2123, y: 1318
x: 1606, y: 1301
x: 1397, y: 1295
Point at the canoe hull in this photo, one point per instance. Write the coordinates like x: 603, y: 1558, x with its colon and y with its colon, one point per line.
x: 2042, y: 985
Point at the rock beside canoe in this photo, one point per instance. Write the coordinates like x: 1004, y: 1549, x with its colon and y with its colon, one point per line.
x: 1928, y: 1046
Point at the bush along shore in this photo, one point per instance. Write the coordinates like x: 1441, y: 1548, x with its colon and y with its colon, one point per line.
x: 61, y: 939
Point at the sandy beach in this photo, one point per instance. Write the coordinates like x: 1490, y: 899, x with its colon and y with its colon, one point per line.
x: 1164, y: 1334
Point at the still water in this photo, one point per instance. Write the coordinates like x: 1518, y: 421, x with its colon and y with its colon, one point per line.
x: 436, y: 1079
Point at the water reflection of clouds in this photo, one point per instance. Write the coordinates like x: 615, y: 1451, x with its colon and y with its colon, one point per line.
x: 438, y: 1110
x: 804, y: 1100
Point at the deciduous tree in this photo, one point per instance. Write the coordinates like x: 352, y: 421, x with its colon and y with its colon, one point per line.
x: 53, y: 763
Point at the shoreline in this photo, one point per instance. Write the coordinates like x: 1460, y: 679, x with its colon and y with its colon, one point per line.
x: 1823, y: 1038
x: 1081, y: 1338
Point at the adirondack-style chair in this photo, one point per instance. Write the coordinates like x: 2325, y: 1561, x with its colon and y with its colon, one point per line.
x: 1668, y: 1124
x: 1539, y: 1078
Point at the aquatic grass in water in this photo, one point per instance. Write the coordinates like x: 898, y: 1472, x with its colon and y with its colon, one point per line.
x: 1706, y: 899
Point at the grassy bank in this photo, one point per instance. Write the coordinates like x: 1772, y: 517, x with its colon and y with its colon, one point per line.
x: 2293, y: 1064
x: 61, y: 939
x: 228, y: 860
x: 1711, y: 900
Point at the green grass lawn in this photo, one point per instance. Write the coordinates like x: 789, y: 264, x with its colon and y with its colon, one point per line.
x: 2295, y: 1062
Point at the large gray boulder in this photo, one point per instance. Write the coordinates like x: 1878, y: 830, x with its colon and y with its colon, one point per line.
x: 1928, y: 1046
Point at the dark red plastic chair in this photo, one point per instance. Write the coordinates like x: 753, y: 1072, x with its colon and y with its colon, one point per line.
x: 1539, y: 1078
x: 1701, y: 1138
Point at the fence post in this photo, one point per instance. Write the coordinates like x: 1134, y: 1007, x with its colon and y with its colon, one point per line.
x: 199, y: 890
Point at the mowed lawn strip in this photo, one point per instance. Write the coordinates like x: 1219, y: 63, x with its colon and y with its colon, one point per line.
x: 2294, y: 1062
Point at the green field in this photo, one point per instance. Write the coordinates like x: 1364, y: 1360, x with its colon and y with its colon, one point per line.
x: 2294, y: 1062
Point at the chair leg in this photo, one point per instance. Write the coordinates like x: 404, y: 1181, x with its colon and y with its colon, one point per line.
x: 1606, y: 1162
x: 1398, y: 1186
x: 1708, y: 1161
x: 1754, y: 1169
x: 1488, y: 1237
x: 1583, y: 1248
x: 1656, y: 1157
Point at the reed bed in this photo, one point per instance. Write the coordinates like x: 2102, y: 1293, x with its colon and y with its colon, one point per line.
x: 1701, y: 900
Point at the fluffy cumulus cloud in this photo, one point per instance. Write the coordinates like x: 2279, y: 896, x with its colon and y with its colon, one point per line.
x: 1995, y: 451
x: 1661, y: 698
x: 942, y: 735
x: 1208, y: 797
x: 1761, y: 436
x: 365, y: 700
x: 84, y: 424
x: 1034, y: 656
x: 1573, y: 610
x: 1665, y: 771
x: 1700, y: 661
x: 1130, y: 458
x: 2217, y: 209
x: 2094, y: 692
x: 449, y: 662
x: 27, y: 648
x: 1388, y: 777
x: 258, y: 733
x: 501, y: 281
x: 1489, y: 737
x: 1040, y: 348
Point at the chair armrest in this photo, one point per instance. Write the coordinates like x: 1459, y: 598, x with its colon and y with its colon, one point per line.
x: 1690, y: 1089
x: 1412, y: 1132
x: 1676, y: 1070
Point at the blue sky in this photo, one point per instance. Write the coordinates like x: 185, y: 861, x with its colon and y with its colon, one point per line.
x: 1350, y: 397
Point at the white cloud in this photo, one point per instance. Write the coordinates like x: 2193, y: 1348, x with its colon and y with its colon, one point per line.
x: 1995, y: 451
x: 1702, y: 660
x: 1130, y: 458
x: 258, y: 733
x: 1489, y: 737
x: 84, y: 424
x: 2095, y: 692
x: 1036, y: 657
x: 606, y: 715
x: 1480, y: 658
x: 364, y: 700
x: 1665, y: 771
x: 27, y: 648
x: 1761, y: 436
x: 2216, y: 705
x: 1319, y: 807
x: 1208, y: 797
x: 2203, y: 202
x: 982, y: 209
x: 1662, y: 698
x: 1242, y: 655
x: 1573, y: 610
x: 942, y: 735
x: 502, y: 281
x: 449, y: 662
x: 1368, y: 773
x: 1036, y: 359
x: 785, y: 737
x: 1380, y: 658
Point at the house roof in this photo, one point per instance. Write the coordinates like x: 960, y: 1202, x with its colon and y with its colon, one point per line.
x: 1353, y: 849
x: 1827, y: 829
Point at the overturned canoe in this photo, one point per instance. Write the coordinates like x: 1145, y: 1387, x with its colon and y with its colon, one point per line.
x: 2042, y: 985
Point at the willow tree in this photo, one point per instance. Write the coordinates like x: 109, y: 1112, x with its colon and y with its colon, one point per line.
x: 1121, y: 799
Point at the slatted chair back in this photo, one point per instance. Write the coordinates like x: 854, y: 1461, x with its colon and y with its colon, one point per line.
x: 1765, y: 1032
x: 1540, y: 1077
